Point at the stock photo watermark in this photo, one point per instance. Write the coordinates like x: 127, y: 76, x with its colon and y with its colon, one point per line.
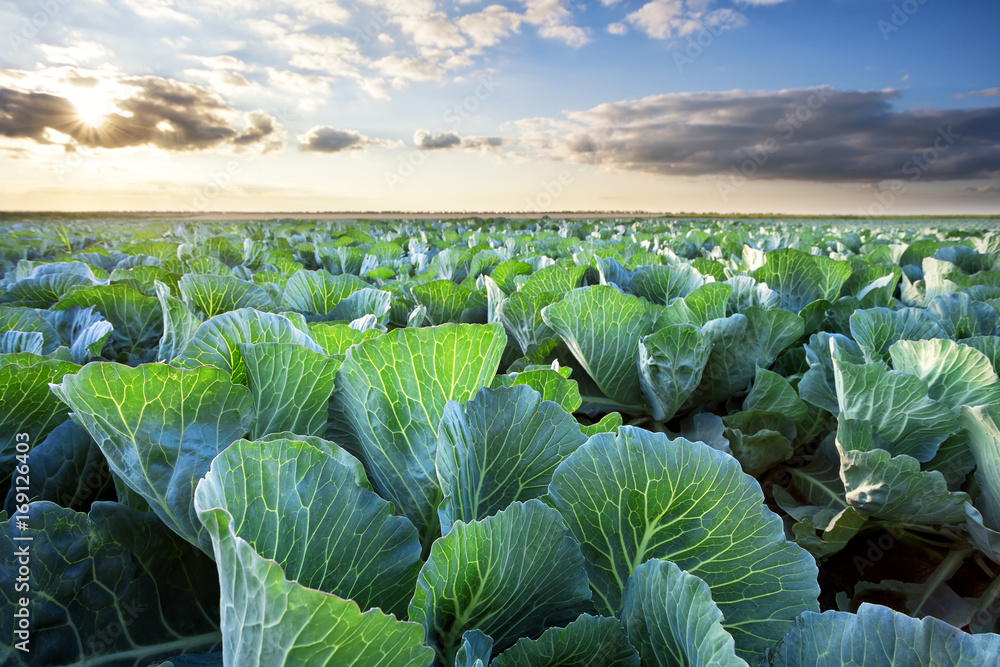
x: 374, y: 27
x: 899, y: 17
x: 886, y: 196
x: 454, y: 117
x: 31, y: 26
x: 222, y: 181
x: 699, y: 42
x: 22, y: 545
x: 107, y: 637
x: 759, y: 155
x: 550, y: 190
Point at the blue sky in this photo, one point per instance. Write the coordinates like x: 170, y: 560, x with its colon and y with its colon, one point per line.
x: 794, y: 106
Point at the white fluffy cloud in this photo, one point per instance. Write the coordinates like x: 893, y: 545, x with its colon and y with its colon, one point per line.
x: 489, y: 26
x: 668, y: 19
x: 554, y: 21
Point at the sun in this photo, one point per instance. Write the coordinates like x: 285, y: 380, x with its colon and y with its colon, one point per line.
x: 92, y: 105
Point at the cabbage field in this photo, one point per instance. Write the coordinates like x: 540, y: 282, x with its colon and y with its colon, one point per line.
x: 500, y: 443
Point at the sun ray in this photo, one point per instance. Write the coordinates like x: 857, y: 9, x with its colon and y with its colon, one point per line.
x: 92, y: 105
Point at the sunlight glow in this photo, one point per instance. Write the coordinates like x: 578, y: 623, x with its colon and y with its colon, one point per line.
x: 92, y: 105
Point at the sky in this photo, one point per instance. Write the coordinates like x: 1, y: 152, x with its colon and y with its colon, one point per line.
x: 859, y: 107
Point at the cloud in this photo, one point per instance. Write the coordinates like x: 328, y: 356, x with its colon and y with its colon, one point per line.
x: 987, y: 92
x: 428, y: 141
x: 670, y: 19
x: 152, y: 111
x: 76, y: 52
x: 220, y: 62
x: 322, y: 11
x: 261, y: 129
x: 435, y: 30
x: 981, y: 190
x: 488, y: 27
x: 325, y: 139
x: 813, y: 134
x: 554, y: 21
x: 617, y: 29
x: 333, y: 56
x: 158, y: 11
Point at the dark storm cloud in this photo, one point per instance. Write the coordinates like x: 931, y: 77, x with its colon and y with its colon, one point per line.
x: 324, y: 139
x: 806, y: 134
x: 169, y: 115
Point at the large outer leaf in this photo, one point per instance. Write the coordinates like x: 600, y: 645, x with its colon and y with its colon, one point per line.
x: 179, y: 324
x: 160, y: 427
x: 505, y: 273
x: 877, y: 329
x: 291, y: 503
x: 137, y: 319
x: 880, y: 637
x: 961, y: 317
x: 662, y: 284
x: 43, y: 291
x: 642, y: 496
x: 443, y: 299
x: 670, y: 617
x: 772, y: 393
x: 336, y: 338
x: 364, y: 302
x: 291, y: 387
x: 550, y: 383
x: 818, y: 386
x: 503, y: 446
x: 555, y: 279
x: 742, y: 343
x: 339, y: 454
x: 896, y: 404
x: 602, y: 327
x: 759, y: 440
x: 475, y: 650
x: 521, y: 315
x: 592, y: 641
x: 144, y: 278
x: 391, y: 394
x: 15, y: 342
x: 27, y: 405
x: 217, y: 341
x: 892, y: 488
x: 270, y: 620
x: 66, y: 468
x: 983, y: 426
x: 671, y: 362
x: 747, y: 292
x: 814, y: 498
x: 114, y: 587
x: 27, y: 319
x: 318, y: 291
x: 510, y: 575
x: 708, y: 302
x: 956, y: 375
x: 801, y: 279
x: 89, y: 344
x: 988, y: 345
x: 214, y: 295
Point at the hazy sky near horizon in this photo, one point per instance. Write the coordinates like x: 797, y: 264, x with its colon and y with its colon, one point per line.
x: 792, y: 106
